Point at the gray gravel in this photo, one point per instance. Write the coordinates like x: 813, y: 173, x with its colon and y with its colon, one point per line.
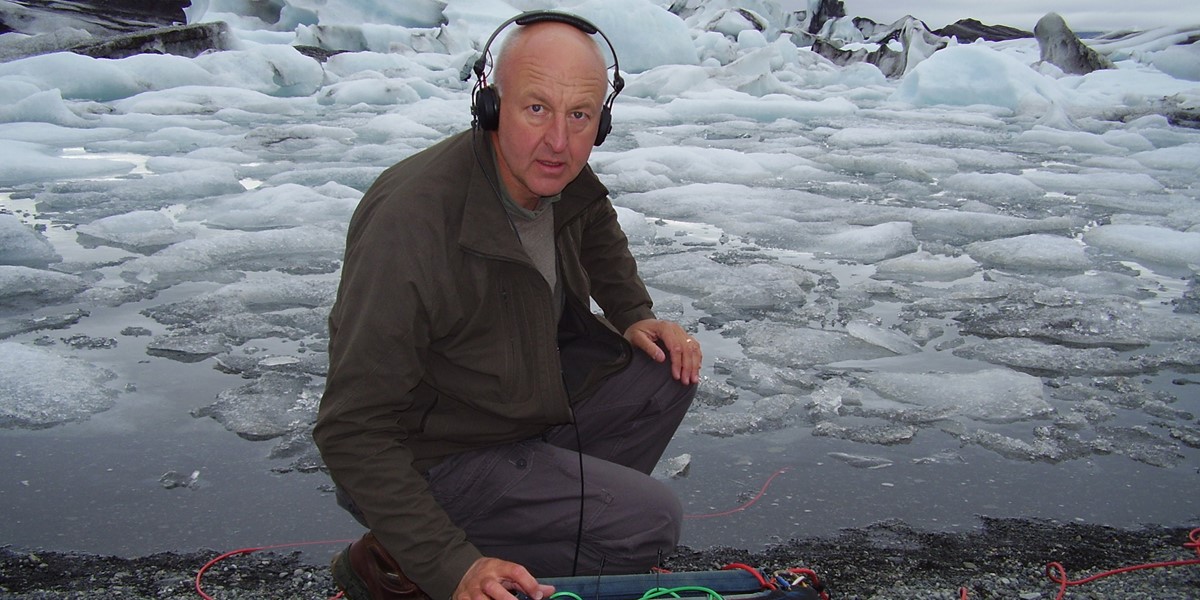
x: 1003, y: 558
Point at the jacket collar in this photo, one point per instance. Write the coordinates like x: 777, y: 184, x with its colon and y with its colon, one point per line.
x: 485, y: 225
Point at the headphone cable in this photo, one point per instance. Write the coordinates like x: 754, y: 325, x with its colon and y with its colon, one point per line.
x: 579, y: 531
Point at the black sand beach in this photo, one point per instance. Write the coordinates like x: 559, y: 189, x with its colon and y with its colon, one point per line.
x: 1004, y: 558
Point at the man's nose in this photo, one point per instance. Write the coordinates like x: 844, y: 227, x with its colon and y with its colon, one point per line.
x: 556, y: 133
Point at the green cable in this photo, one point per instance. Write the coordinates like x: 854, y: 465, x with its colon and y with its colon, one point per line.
x: 651, y: 594
x: 674, y: 592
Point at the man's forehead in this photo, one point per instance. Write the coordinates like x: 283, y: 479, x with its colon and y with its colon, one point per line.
x: 551, y: 91
x: 538, y: 75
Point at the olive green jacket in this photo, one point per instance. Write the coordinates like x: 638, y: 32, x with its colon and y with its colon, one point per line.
x: 443, y: 339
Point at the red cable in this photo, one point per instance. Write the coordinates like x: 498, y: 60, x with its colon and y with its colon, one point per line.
x: 766, y: 585
x: 1058, y: 574
x: 209, y: 564
x: 816, y: 582
x: 756, y: 498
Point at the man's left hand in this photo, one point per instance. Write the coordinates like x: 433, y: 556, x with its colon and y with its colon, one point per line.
x: 654, y: 335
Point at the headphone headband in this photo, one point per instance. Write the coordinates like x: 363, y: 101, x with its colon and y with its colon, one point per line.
x: 487, y: 115
x: 534, y: 16
x: 545, y: 16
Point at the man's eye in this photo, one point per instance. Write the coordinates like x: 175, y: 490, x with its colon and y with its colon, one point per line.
x: 536, y: 108
x: 579, y: 115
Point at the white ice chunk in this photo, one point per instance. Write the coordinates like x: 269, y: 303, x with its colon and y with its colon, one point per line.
x: 802, y: 347
x: 306, y: 247
x: 391, y: 126
x: 1031, y: 252
x: 765, y: 414
x: 24, y: 162
x: 138, y: 230
x: 727, y: 289
x: 697, y: 164
x: 410, y: 13
x: 76, y: 76
x: 975, y: 74
x: 93, y: 199
x: 884, y: 435
x: 41, y: 36
x: 729, y: 22
x: 888, y: 339
x: 831, y: 398
x: 993, y: 186
x: 1037, y: 357
x: 41, y: 107
x: 669, y: 81
x: 644, y: 34
x: 765, y: 109
x: 1105, y: 283
x: 674, y: 467
x: 265, y: 408
x: 635, y: 226
x: 861, y: 461
x: 870, y: 244
x: 270, y: 305
x: 1042, y: 448
x: 207, y: 100
x: 286, y: 205
x: 960, y: 227
x: 851, y: 137
x: 1094, y: 181
x: 27, y: 287
x: 1158, y: 245
x: 1114, y: 321
x: 924, y: 266
x: 1140, y: 444
x: 1185, y: 157
x: 379, y: 91
x: 1079, y: 141
x: 991, y: 395
x: 1182, y: 62
x: 273, y: 69
x: 188, y: 347
x: 40, y: 389
x: 58, y: 136
x: 22, y: 246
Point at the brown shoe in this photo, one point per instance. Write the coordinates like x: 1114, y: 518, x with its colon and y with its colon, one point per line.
x: 365, y: 571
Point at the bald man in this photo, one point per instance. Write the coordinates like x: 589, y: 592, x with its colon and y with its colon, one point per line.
x: 482, y: 423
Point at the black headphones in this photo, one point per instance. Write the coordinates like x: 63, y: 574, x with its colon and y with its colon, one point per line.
x: 485, y: 100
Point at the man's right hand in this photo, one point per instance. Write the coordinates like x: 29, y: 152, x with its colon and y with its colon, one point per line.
x: 495, y: 579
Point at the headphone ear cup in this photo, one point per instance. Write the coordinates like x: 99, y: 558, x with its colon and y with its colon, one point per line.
x: 486, y: 108
x: 605, y: 125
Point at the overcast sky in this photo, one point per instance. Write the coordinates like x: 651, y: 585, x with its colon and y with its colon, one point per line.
x: 1080, y: 15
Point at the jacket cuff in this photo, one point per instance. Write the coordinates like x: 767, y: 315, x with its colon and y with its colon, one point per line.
x: 622, y: 321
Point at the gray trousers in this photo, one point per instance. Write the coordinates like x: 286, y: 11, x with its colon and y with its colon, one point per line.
x: 522, y: 502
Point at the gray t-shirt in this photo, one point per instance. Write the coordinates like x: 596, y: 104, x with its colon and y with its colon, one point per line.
x: 535, y: 230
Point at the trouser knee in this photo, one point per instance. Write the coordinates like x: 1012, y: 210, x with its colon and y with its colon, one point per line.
x: 645, y: 528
